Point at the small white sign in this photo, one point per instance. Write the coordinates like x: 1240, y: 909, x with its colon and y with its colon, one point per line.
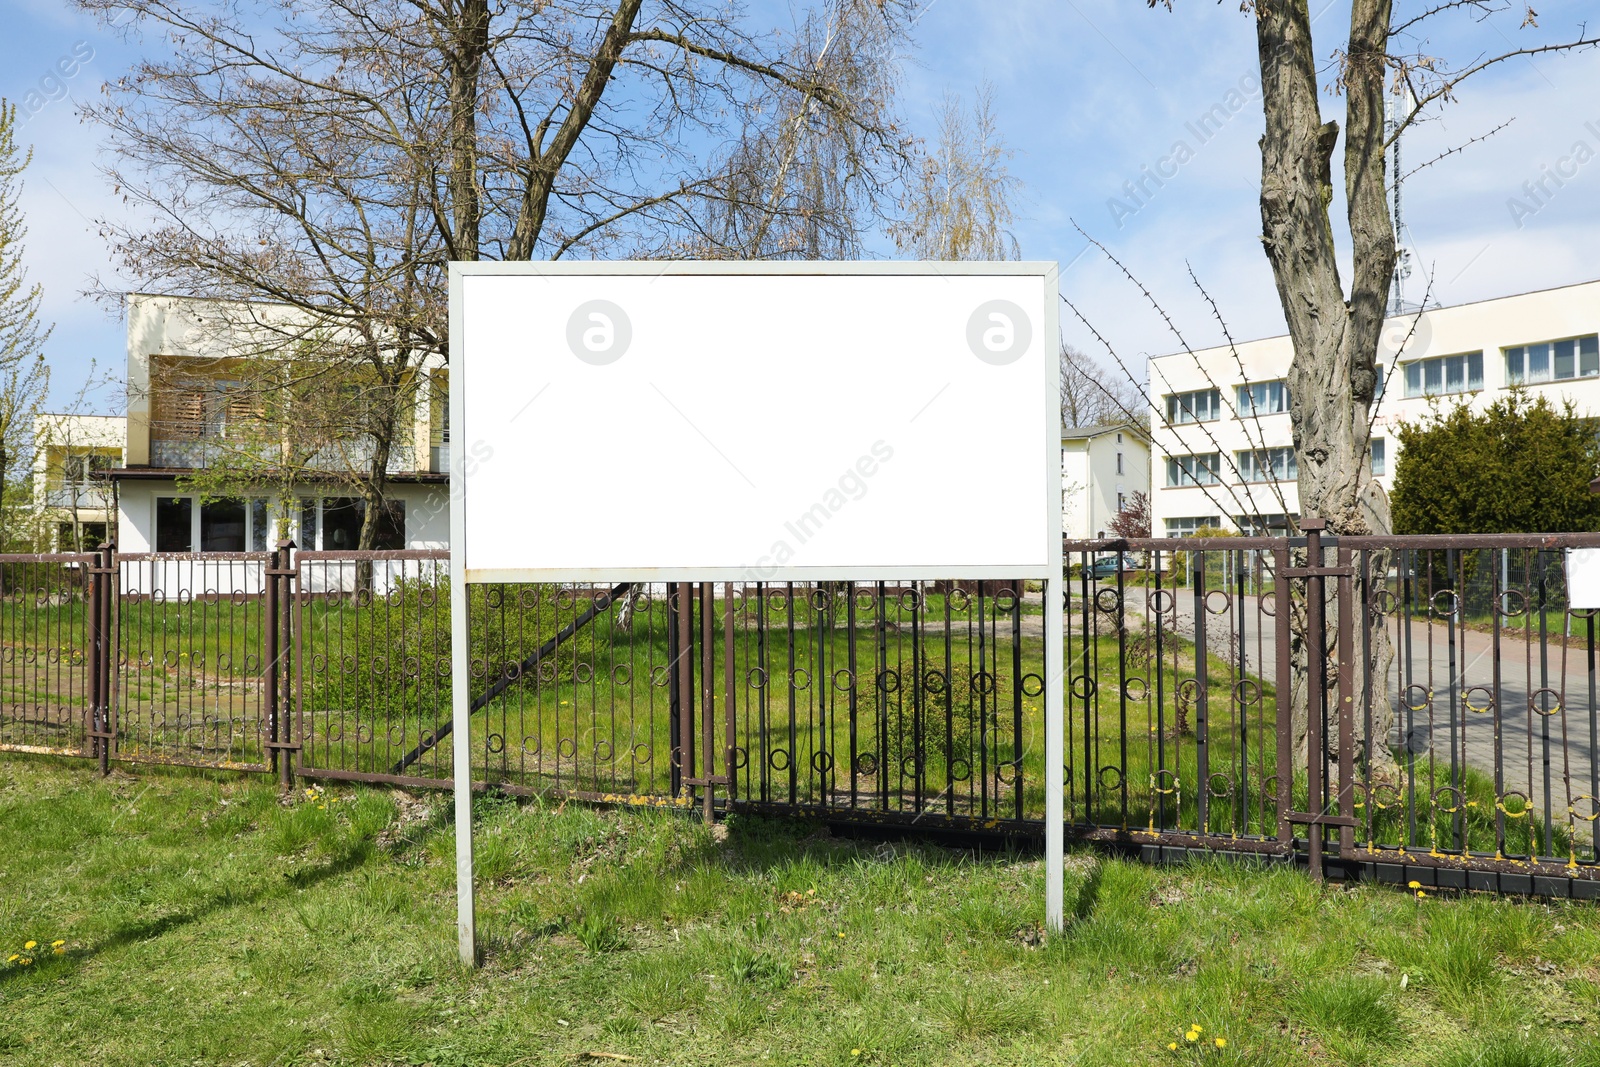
x: 1583, y: 578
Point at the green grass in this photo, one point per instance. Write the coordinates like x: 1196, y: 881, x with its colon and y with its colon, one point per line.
x: 206, y: 920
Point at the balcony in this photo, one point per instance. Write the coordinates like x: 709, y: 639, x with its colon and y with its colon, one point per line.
x: 196, y: 453
x: 77, y: 495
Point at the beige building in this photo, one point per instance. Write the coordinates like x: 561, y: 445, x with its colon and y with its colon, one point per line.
x: 75, y: 505
x: 1101, y: 468
x: 1222, y: 447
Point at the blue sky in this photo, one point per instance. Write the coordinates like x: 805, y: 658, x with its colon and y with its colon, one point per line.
x: 1087, y: 92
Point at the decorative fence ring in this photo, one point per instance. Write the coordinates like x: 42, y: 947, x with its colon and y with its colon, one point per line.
x: 11, y: 656
x: 1488, y: 699
x: 364, y: 735
x: 197, y: 660
x: 1108, y: 600
x: 1005, y: 601
x: 795, y: 681
x: 934, y: 681
x: 849, y: 679
x: 566, y: 598
x: 610, y: 751
x: 910, y: 599
x: 820, y: 600
x: 741, y: 757
x: 777, y: 602
x: 380, y: 665
x: 1006, y: 773
x: 224, y: 662
x: 1535, y: 697
x: 1521, y: 603
x: 393, y: 595
x: 1100, y: 776
x: 1083, y: 687
x: 821, y: 762
x: 772, y: 759
x: 566, y: 748
x: 755, y: 677
x: 494, y: 597
x: 960, y: 770
x: 1450, y: 598
x: 660, y: 675
x: 52, y: 655
x: 1227, y: 602
x: 146, y: 659
x: 1270, y: 794
x: 1247, y: 691
x: 169, y: 658
x: 1583, y: 613
x: 1187, y: 690
x: 910, y: 767
x: 643, y: 753
x: 535, y: 750
x: 1226, y: 789
x: 1594, y: 808
x: 866, y: 601
x: 1132, y: 694
x: 1037, y: 683
x: 983, y: 683
x: 1455, y: 795
x: 349, y: 663
x: 336, y: 735
x: 363, y: 598
x: 583, y: 673
x: 962, y: 604
x: 238, y: 598
x: 1416, y: 697
x: 1383, y: 602
x: 1527, y: 804
x: 479, y: 668
x: 867, y: 763
x: 622, y: 674
x: 496, y: 743
x: 547, y: 671
x: 1261, y: 606
x: 395, y: 735
x: 1379, y: 789
x: 412, y: 665
x: 888, y: 680
x: 528, y: 597
x: 1162, y: 601
x: 426, y: 597
x: 1166, y: 791
x: 184, y: 596
x: 158, y: 596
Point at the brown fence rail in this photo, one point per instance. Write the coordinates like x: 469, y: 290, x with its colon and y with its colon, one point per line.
x: 1446, y: 732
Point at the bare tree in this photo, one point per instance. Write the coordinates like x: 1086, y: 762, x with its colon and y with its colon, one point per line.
x: 335, y: 158
x: 1336, y: 330
x: 960, y: 204
x: 1092, y: 395
x: 24, y: 376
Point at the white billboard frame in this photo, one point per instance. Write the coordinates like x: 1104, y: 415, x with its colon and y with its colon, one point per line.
x: 1048, y: 570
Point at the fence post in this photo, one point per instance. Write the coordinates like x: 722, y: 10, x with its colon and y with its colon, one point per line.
x: 98, y: 623
x: 275, y: 656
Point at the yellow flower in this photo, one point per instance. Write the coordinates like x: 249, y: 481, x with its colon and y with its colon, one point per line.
x: 57, y: 944
x: 1191, y: 1036
x: 855, y: 1052
x: 1222, y: 1042
x: 1413, y: 885
x: 1196, y: 1028
x: 841, y: 934
x: 1172, y: 1045
x: 1421, y: 895
x: 13, y: 958
x: 31, y: 945
x: 60, y: 952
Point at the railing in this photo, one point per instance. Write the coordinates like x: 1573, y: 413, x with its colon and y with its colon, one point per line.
x: 1425, y: 706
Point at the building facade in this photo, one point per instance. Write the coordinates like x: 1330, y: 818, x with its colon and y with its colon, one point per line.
x: 1101, y: 468
x: 75, y: 504
x: 1222, y: 447
x: 187, y: 410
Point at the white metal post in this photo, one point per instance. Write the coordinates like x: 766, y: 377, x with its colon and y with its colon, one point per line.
x: 1055, y: 776
x: 460, y: 657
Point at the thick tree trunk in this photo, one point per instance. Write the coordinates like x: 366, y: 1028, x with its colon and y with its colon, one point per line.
x: 1333, y: 375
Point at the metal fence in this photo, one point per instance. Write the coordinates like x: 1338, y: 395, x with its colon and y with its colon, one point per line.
x: 1400, y: 707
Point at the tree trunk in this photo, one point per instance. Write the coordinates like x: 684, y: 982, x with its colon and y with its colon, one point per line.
x: 1333, y: 374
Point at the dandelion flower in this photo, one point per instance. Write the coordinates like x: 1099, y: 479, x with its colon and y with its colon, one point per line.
x: 57, y: 944
x: 1191, y: 1036
x: 1413, y: 885
x: 1172, y: 1046
x: 855, y: 1052
x: 1222, y: 1042
x: 13, y: 958
x: 1421, y: 895
x: 1197, y: 1028
x: 31, y: 945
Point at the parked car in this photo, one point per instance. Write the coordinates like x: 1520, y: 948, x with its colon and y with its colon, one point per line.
x: 1109, y: 566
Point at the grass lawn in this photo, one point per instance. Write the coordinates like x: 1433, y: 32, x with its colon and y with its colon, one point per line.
x: 207, y: 921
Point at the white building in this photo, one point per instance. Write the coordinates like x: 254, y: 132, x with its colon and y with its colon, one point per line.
x: 75, y: 508
x: 1222, y: 446
x: 183, y: 361
x: 1101, y: 468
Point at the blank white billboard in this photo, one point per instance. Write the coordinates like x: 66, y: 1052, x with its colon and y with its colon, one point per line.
x: 639, y: 421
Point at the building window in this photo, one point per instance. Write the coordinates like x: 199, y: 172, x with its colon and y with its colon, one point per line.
x: 174, y: 524
x: 1267, y: 465
x: 1202, y: 469
x: 1119, y: 462
x: 1555, y: 361
x: 1263, y: 398
x: 86, y: 537
x: 1122, y: 502
x: 258, y: 524
x: 1202, y: 405
x: 1188, y: 527
x: 1380, y: 459
x: 1444, y: 375
x: 222, y: 526
x: 341, y: 524
x: 1262, y: 525
x: 1119, y: 438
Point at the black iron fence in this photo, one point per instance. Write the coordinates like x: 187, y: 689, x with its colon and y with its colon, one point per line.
x: 1412, y: 707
